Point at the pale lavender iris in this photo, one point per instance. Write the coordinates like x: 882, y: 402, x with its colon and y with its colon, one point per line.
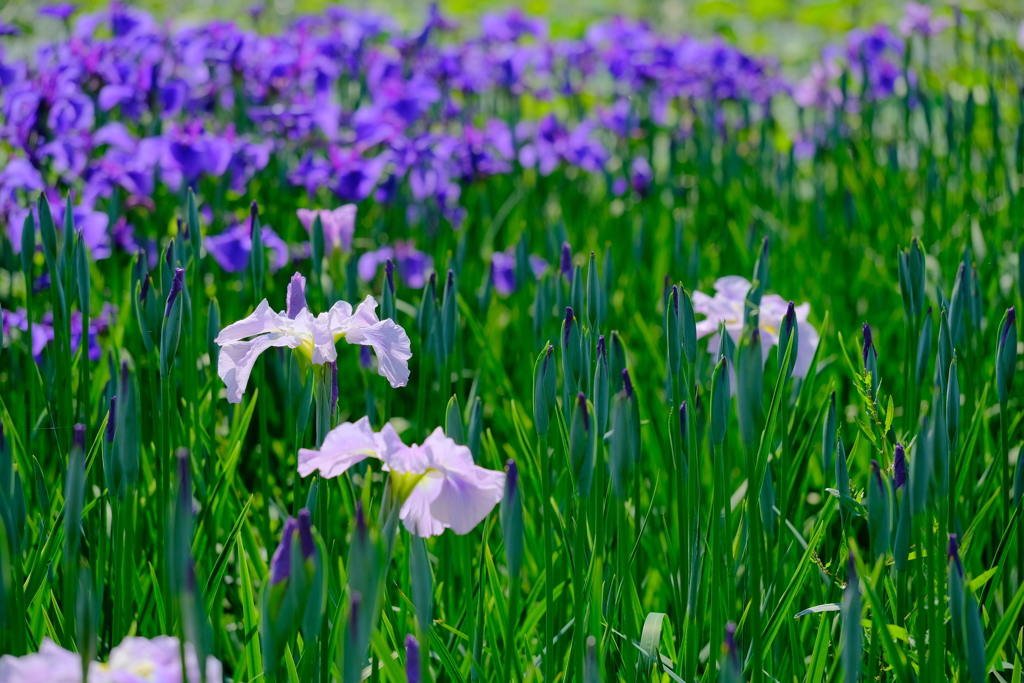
x: 917, y: 18
x: 243, y: 342
x: 726, y: 307
x: 135, y: 660
x: 339, y: 225
x: 436, y: 483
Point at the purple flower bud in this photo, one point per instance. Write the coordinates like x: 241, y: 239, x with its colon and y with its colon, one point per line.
x: 582, y: 398
x: 184, y: 474
x: 389, y: 272
x: 254, y: 214
x: 511, y: 478
x: 876, y: 473
x: 566, y: 263
x: 1011, y: 320
x: 112, y: 419
x: 176, y: 284
x: 665, y: 287
x: 790, y: 319
x: 412, y: 659
x: 730, y: 642
x: 899, y: 464
x: 569, y: 317
x: 869, y: 344
x: 124, y: 376
x: 169, y: 255
x: 144, y: 292
x: 296, y: 296
x: 601, y: 353
x: 365, y: 358
x: 306, y: 534
x: 361, y: 529
x: 682, y: 420
x: 78, y: 437
x: 755, y: 336
x: 281, y: 562
x: 675, y: 300
x: 627, y: 384
x: 953, y: 553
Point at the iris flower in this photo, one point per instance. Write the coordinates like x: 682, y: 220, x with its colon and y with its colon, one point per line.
x: 436, y: 483
x: 135, y: 659
x: 726, y: 306
x: 242, y: 342
x: 339, y: 225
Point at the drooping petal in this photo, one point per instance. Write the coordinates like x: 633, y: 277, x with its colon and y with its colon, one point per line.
x: 344, y: 446
x: 391, y: 345
x: 416, y: 510
x: 262, y: 320
x: 236, y: 361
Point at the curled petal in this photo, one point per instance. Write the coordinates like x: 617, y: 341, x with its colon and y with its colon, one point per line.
x: 237, y: 359
x: 392, y: 346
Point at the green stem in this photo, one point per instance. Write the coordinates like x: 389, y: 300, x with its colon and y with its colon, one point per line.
x: 549, y: 588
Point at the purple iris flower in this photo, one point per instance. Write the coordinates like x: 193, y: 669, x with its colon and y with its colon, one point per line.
x: 538, y: 265
x: 413, y: 265
x: 61, y: 11
x: 503, y: 272
x: 640, y: 175
x: 230, y: 249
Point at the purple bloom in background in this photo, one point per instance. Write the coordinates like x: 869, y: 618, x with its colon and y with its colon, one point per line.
x: 230, y: 249
x: 917, y: 18
x: 339, y: 225
x: 503, y: 272
x: 640, y: 175
x: 413, y: 265
x: 566, y: 260
x: 538, y: 265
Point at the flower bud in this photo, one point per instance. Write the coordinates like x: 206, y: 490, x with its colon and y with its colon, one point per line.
x: 511, y: 515
x: 870, y: 357
x: 720, y: 403
x: 412, y: 659
x: 688, y: 328
x: 828, y: 436
x: 453, y: 422
x: 171, y: 332
x: 879, y: 524
x: 1006, y: 355
x: 257, y: 261
x: 593, y: 307
x: 475, y: 429
x: 899, y: 465
x: 853, y: 632
x: 731, y: 667
x: 750, y: 389
x: 581, y: 446
x: 601, y: 388
x: 566, y: 261
x: 543, y: 380
x: 789, y: 339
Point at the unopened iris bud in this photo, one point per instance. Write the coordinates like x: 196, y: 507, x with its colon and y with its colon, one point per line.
x: 688, y: 328
x: 256, y: 258
x: 870, y: 357
x: 281, y: 562
x: 899, y: 467
x: 732, y: 669
x: 543, y: 378
x: 842, y: 478
x: 388, y: 299
x: 601, y: 387
x: 511, y: 515
x: 572, y: 356
x: 112, y: 419
x: 296, y: 297
x: 1006, y: 355
x: 593, y: 295
x: 720, y: 402
x: 171, y: 332
x: 953, y: 553
x: 581, y: 446
x: 924, y: 348
x: 750, y: 380
x: 412, y: 659
x: 828, y: 436
x: 454, y: 429
x: 956, y: 306
x: 878, y: 512
x: 448, y: 314
x: 566, y: 261
x: 789, y: 338
x: 674, y: 353
x: 475, y: 428
x: 850, y: 613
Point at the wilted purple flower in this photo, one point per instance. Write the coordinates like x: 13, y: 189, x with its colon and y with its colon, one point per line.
x: 339, y: 225
x: 503, y: 272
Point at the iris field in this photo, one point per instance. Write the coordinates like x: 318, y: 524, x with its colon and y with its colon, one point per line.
x: 468, y: 353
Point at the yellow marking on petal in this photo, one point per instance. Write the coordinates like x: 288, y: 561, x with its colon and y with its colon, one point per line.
x: 403, y: 483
